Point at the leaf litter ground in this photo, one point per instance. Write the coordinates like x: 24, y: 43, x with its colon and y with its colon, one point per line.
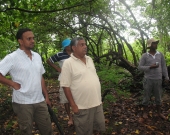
x: 123, y: 117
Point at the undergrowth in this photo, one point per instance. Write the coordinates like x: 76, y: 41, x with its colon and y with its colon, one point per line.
x: 110, y: 78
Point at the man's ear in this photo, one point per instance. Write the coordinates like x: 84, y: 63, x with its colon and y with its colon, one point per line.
x: 73, y: 48
x: 20, y: 41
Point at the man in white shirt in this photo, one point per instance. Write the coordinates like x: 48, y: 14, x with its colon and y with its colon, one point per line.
x: 29, y: 89
x: 82, y: 89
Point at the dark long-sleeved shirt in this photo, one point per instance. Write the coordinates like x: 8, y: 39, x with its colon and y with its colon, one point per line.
x: 155, y: 73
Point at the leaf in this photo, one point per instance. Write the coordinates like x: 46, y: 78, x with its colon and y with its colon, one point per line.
x: 105, y: 113
x: 106, y: 120
x: 137, y: 132
x: 66, y: 118
x: 120, y: 123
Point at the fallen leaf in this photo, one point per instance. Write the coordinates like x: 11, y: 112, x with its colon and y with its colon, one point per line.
x: 66, y: 118
x: 105, y: 112
x: 120, y: 123
x: 137, y: 132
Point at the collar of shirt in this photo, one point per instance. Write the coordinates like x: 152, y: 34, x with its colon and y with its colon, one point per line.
x: 23, y: 52
x: 77, y: 58
x: 153, y: 55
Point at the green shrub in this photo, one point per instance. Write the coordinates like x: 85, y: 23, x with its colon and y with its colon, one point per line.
x: 110, y: 78
x: 5, y: 103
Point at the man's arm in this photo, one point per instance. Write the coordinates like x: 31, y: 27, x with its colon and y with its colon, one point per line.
x: 142, y: 65
x: 44, y: 90
x: 9, y: 82
x: 69, y: 96
x: 54, y: 66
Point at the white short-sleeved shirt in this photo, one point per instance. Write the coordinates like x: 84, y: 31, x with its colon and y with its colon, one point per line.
x: 83, y: 82
x: 26, y: 72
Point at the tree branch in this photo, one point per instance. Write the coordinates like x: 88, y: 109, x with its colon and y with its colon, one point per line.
x: 46, y: 11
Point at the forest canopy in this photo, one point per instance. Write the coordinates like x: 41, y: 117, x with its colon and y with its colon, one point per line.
x: 115, y: 30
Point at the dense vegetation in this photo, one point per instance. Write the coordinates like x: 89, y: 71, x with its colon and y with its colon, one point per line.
x: 115, y: 30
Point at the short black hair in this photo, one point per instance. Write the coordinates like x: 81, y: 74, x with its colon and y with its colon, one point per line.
x: 21, y: 31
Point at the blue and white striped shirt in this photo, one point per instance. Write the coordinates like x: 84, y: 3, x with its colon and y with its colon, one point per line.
x: 60, y: 58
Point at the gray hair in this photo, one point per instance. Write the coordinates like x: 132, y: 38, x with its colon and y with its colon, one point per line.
x: 75, y: 40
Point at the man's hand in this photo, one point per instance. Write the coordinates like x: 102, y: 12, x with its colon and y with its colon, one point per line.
x: 154, y: 66
x: 48, y: 101
x: 75, y: 109
x: 16, y: 85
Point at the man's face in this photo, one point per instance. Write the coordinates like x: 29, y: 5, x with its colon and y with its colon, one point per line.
x: 68, y: 48
x: 27, y: 41
x: 81, y: 48
x: 154, y: 45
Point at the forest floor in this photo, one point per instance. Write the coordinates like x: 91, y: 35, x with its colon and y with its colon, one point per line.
x: 123, y: 117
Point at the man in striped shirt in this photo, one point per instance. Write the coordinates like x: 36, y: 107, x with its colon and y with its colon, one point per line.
x: 60, y: 57
x: 26, y: 69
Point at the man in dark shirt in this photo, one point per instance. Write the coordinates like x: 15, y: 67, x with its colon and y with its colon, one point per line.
x: 152, y: 63
x: 60, y: 58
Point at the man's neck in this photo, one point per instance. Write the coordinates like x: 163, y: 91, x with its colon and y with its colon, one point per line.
x: 152, y: 51
x: 68, y: 52
x: 82, y: 58
x: 28, y: 52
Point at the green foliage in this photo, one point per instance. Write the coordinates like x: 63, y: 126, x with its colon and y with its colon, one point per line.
x: 137, y: 49
x: 109, y: 130
x: 5, y: 104
x: 55, y: 110
x: 167, y: 56
x: 9, y: 125
x: 107, y: 26
x: 110, y: 98
x: 6, y: 46
x: 110, y: 78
